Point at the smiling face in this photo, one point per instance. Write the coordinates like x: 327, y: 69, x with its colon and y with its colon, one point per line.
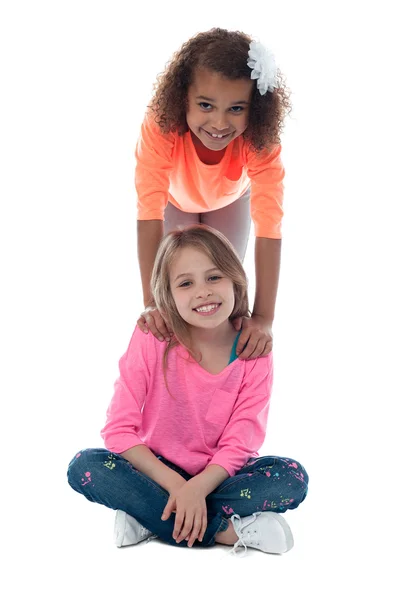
x: 203, y: 295
x: 218, y: 106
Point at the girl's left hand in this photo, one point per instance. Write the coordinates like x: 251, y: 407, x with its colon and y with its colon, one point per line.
x: 256, y: 335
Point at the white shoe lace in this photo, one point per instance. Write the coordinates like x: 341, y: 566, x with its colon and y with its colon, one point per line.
x: 144, y: 531
x: 248, y: 534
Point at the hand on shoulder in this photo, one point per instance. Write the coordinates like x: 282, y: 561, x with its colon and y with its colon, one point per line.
x: 256, y: 339
x: 152, y: 320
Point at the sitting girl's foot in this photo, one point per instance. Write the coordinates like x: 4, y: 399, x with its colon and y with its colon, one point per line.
x: 128, y: 531
x: 266, y: 531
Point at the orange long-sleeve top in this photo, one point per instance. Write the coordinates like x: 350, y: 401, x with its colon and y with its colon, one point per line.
x: 168, y: 169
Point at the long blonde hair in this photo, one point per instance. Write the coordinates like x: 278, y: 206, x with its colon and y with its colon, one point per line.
x: 218, y: 248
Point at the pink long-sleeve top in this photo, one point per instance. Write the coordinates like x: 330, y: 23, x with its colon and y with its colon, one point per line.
x: 206, y: 419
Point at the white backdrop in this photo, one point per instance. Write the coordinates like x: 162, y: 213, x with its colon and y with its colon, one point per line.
x: 76, y: 78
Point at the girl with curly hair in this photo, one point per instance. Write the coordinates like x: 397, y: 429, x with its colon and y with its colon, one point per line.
x: 187, y: 418
x: 209, y: 152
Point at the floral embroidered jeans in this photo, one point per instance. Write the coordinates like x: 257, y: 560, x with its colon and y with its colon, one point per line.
x: 265, y: 483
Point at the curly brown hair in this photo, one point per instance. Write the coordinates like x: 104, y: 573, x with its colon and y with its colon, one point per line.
x: 224, y: 52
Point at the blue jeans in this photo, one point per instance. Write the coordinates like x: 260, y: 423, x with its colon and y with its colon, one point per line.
x: 265, y: 483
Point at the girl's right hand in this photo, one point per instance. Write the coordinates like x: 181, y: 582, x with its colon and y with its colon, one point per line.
x: 151, y: 319
x: 188, y: 502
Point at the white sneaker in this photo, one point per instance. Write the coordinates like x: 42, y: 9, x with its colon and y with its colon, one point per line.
x: 266, y: 531
x: 128, y: 531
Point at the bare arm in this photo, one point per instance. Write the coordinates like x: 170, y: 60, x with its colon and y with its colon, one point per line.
x: 210, y: 478
x: 256, y: 338
x: 267, y: 267
x: 149, y: 235
x: 146, y: 462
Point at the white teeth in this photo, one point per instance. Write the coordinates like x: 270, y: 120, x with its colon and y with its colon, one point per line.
x: 207, y: 308
x: 217, y: 136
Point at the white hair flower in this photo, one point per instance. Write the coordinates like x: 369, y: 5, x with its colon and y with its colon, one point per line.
x: 263, y: 65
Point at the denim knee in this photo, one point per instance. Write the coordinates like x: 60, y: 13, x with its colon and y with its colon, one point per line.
x: 298, y: 481
x: 76, y: 468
